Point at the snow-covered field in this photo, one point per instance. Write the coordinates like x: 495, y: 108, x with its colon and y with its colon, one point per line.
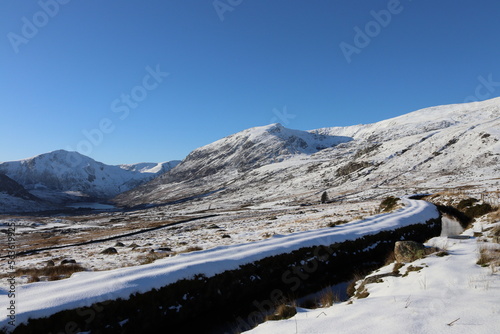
x: 227, y: 228
x: 84, y: 288
x: 450, y: 294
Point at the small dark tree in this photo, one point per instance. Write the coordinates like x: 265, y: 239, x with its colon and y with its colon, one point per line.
x: 324, y: 198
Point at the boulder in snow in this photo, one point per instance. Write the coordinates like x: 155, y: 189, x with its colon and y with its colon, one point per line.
x: 409, y: 251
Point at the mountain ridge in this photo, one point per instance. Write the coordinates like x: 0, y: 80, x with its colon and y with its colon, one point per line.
x: 454, y: 143
x: 431, y: 148
x: 61, y: 176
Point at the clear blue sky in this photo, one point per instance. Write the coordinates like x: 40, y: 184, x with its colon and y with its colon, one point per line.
x: 68, y: 75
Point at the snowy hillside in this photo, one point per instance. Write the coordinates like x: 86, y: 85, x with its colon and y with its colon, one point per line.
x: 450, y: 294
x: 70, y: 173
x: 229, y: 157
x: 427, y: 149
x: 421, y: 121
x: 152, y: 168
x: 250, y: 149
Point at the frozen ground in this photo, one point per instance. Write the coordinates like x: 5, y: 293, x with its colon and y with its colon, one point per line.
x: 450, y: 294
x: 228, y: 228
x: 84, y: 288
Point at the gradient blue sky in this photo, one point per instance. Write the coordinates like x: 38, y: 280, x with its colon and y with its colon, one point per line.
x: 227, y: 75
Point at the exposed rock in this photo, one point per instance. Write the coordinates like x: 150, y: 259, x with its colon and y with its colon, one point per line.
x: 50, y: 263
x: 378, y: 278
x: 119, y: 244
x: 67, y: 261
x: 110, y: 250
x: 214, y: 226
x: 409, y: 251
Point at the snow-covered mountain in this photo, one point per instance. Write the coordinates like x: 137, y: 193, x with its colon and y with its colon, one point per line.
x: 56, y: 175
x: 221, y: 161
x: 252, y: 148
x: 433, y: 148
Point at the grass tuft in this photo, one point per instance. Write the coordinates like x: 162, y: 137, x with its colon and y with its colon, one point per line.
x: 328, y: 297
x: 283, y: 311
x: 53, y: 273
x: 388, y: 204
x: 489, y: 256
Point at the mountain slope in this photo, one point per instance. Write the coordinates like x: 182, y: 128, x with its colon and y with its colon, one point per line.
x: 62, y: 172
x: 226, y: 158
x: 420, y: 121
x: 151, y: 167
x: 250, y: 149
x: 15, y: 198
x: 433, y: 148
x: 11, y: 187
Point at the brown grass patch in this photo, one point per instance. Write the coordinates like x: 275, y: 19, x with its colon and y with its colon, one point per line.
x: 192, y: 249
x: 351, y: 288
x: 53, y: 273
x: 283, y: 311
x: 362, y: 293
x: 396, y: 267
x: 494, y: 217
x: 151, y: 257
x: 412, y: 268
x: 337, y: 222
x: 328, y: 297
x: 488, y: 256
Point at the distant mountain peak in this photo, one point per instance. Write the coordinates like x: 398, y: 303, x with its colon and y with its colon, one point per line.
x: 63, y: 171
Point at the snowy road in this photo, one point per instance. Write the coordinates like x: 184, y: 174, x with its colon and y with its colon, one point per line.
x: 85, y: 288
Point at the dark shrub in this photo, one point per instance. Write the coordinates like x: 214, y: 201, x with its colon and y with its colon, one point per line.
x: 478, y: 210
x: 388, y: 203
x: 465, y: 203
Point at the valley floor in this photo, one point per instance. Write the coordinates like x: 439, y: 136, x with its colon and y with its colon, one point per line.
x: 226, y: 228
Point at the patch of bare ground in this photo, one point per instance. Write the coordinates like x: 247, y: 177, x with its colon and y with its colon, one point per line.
x: 49, y: 272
